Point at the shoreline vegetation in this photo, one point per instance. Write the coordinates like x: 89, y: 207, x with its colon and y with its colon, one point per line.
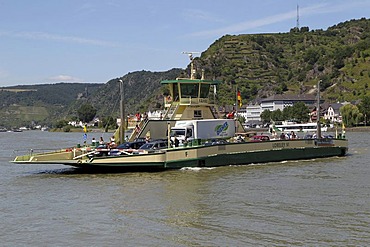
x: 94, y: 130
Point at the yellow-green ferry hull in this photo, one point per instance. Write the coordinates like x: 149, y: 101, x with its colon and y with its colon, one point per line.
x: 205, y: 155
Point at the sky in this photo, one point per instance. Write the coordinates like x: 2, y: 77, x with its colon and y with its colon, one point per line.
x: 51, y: 41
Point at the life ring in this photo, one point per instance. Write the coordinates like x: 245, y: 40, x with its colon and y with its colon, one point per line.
x: 169, y: 98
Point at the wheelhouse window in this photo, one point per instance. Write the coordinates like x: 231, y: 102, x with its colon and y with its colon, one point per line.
x: 175, y: 92
x: 204, y: 90
x: 197, y: 114
x: 189, y: 90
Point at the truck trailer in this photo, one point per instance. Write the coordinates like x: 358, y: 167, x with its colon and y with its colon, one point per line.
x: 203, y: 129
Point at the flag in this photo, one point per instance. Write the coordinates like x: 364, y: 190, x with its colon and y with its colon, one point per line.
x: 239, y: 99
x: 343, y: 128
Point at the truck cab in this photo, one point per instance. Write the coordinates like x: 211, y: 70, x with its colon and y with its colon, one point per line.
x: 182, y: 133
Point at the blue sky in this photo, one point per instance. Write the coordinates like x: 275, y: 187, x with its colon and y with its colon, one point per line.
x: 49, y: 41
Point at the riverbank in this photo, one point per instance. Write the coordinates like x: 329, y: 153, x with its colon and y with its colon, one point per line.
x: 94, y: 130
x: 357, y: 129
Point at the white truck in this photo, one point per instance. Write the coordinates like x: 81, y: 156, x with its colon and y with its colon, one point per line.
x: 203, y: 129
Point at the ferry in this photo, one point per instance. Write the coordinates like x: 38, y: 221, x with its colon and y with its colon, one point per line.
x: 189, y: 100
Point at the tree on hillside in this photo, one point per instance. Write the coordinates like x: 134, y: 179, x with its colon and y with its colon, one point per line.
x: 350, y: 115
x: 60, y: 124
x: 266, y: 116
x: 300, y: 112
x: 86, y: 113
x: 288, y: 113
x: 364, y: 108
x: 277, y: 115
x: 108, y: 123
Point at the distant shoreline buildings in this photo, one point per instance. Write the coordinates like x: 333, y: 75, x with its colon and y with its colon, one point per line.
x: 252, y: 113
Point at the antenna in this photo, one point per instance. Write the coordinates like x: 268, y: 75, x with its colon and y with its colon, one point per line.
x: 297, y: 17
x: 190, y: 54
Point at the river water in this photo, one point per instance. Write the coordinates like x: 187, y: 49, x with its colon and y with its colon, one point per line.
x: 323, y: 202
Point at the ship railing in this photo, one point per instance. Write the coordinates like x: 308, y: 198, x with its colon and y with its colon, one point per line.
x: 43, y: 151
x: 33, y: 151
x: 27, y: 154
x: 83, y: 155
x: 190, y: 101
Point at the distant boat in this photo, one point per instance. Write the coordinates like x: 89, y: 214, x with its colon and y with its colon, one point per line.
x: 44, y: 129
x: 288, y: 127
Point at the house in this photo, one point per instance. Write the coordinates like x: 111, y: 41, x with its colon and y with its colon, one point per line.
x: 332, y: 113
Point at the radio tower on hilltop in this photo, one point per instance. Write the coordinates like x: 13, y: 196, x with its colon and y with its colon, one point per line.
x: 297, y: 18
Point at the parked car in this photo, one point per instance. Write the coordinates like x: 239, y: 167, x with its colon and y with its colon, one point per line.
x: 126, y: 148
x: 215, y: 142
x: 260, y: 138
x: 153, y: 146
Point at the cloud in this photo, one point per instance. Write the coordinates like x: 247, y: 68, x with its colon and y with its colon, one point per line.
x: 64, y: 78
x: 48, y: 36
x: 196, y: 14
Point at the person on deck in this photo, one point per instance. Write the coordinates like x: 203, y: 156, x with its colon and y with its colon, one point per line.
x: 101, y: 141
x: 177, y: 142
x: 93, y: 142
x: 137, y: 130
x: 293, y: 135
x: 112, y: 142
x: 282, y: 136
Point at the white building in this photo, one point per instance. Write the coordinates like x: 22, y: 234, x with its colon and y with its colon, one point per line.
x: 253, y: 113
x: 280, y: 101
x: 273, y: 103
x: 332, y: 112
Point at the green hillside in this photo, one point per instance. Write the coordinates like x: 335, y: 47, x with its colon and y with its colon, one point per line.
x: 265, y: 64
x: 41, y: 104
x: 142, y: 92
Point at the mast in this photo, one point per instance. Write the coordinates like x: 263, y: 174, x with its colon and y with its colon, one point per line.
x: 122, y: 110
x: 318, y: 111
x: 236, y: 98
